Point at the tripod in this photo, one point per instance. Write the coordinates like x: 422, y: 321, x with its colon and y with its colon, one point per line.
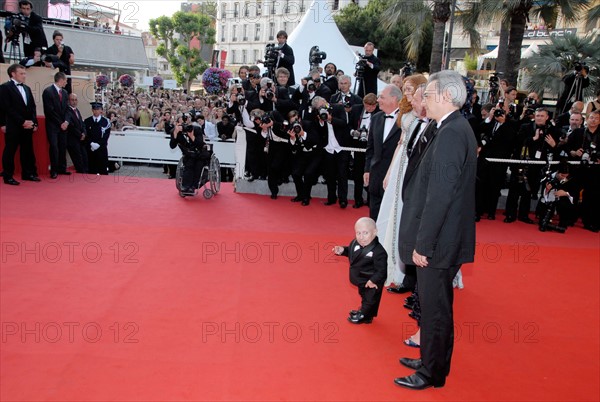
x: 576, y: 90
x: 14, y: 53
x: 360, y: 85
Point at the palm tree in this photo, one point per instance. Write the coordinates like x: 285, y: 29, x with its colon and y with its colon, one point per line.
x: 547, y: 67
x: 416, y: 14
x: 514, y: 15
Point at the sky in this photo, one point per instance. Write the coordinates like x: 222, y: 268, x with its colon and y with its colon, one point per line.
x: 141, y: 12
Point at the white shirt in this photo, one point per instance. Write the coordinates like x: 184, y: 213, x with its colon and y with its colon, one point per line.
x: 389, y: 124
x: 439, y: 123
x: 421, y: 129
x: 21, y: 90
x: 333, y: 146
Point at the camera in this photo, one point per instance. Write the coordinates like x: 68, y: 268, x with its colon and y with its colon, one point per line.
x: 15, y: 25
x: 315, y: 57
x: 501, y: 102
x: 494, y: 81
x: 407, y: 69
x: 360, y: 66
x: 271, y: 56
x: 590, y: 155
x: 311, y: 84
x: 578, y: 66
x: 324, y: 113
x: 188, y: 128
x: 499, y: 112
x: 269, y: 94
x: 360, y: 134
x: 266, y: 119
x: 184, y: 118
x: 297, y: 127
x: 346, y: 101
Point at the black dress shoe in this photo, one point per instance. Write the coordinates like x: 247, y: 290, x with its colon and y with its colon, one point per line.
x: 360, y: 319
x: 273, y: 196
x: 508, y: 219
x: 53, y: 175
x: 409, y: 306
x: 343, y: 204
x: 305, y: 203
x: 399, y: 289
x: 414, y: 364
x: 410, y: 299
x: 11, y: 181
x: 329, y: 202
x: 477, y: 218
x: 296, y: 199
x: 527, y: 220
x: 65, y: 173
x: 358, y: 205
x: 31, y: 178
x: 353, y: 312
x: 414, y: 381
x: 412, y: 315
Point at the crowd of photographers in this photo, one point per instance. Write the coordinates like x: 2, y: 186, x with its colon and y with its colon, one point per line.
x: 534, y: 141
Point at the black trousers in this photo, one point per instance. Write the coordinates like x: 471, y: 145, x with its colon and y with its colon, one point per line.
x: 370, y: 299
x: 410, y: 276
x: 192, y: 171
x: 97, y: 160
x: 336, y: 175
x: 490, y: 178
x: 519, y: 194
x: 279, y: 155
x: 375, y: 199
x: 57, y: 140
x: 357, y: 176
x: 437, y: 322
x: 78, y: 154
x: 305, y: 168
x: 22, y: 140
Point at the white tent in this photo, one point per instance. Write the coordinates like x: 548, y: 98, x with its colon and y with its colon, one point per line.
x: 317, y: 28
x: 493, y: 55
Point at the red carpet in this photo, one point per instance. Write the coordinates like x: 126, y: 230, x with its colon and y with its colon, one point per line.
x: 115, y: 288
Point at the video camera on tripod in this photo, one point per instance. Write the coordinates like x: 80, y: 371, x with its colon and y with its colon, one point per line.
x: 315, y: 57
x: 14, y: 25
x: 361, y: 65
x: 271, y: 61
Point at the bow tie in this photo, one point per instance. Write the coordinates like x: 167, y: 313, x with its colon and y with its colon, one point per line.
x: 19, y: 85
x: 366, y: 113
x: 390, y: 116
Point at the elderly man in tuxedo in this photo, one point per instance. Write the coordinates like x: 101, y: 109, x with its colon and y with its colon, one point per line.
x: 55, y: 100
x: 437, y: 229
x: 76, y: 136
x: 383, y: 138
x: 18, y: 122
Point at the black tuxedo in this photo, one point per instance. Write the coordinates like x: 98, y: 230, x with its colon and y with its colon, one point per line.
x: 13, y: 113
x: 338, y: 97
x: 437, y: 222
x: 378, y: 158
x: 55, y: 111
x: 288, y: 61
x: 97, y: 133
x: 367, y: 264
x: 331, y: 82
x: 76, y: 140
x: 358, y: 167
x: 336, y: 163
x: 499, y: 143
x: 306, y: 159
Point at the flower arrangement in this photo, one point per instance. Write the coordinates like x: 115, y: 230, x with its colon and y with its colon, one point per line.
x: 102, y: 81
x: 157, y: 81
x: 215, y: 79
x: 126, y: 80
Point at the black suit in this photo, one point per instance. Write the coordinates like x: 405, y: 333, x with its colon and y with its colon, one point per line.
x: 437, y: 222
x: 55, y: 111
x: 331, y: 82
x: 378, y: 158
x: 13, y: 113
x: 97, y: 133
x: 288, y: 61
x: 36, y: 33
x: 76, y: 140
x: 367, y: 264
x: 306, y: 159
x: 336, y: 163
x: 358, y: 167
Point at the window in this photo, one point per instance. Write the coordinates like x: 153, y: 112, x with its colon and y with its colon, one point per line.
x: 285, y: 26
x: 273, y: 7
x: 271, y: 30
x: 223, y: 10
x: 245, y: 33
x: 255, y: 56
x: 246, y: 9
x: 223, y: 33
x: 257, y: 33
x: 244, y: 56
x: 236, y: 10
x: 234, y: 33
x: 232, y: 61
x: 286, y: 9
x: 302, y: 7
x: 336, y: 4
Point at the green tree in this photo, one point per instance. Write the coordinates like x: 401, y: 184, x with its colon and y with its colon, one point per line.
x: 514, y: 15
x: 360, y: 25
x: 177, y: 33
x: 418, y: 15
x: 547, y: 67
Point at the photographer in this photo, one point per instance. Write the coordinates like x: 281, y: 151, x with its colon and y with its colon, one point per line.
x: 583, y: 146
x: 286, y: 56
x: 225, y: 128
x: 575, y: 123
x: 65, y: 55
x: 535, y: 141
x: 507, y: 103
x: 557, y: 195
x: 563, y: 119
x: 190, y: 140
x: 284, y: 103
x: 344, y: 96
x: 530, y: 104
x: 240, y: 102
x: 35, y: 61
x: 277, y: 134
x: 575, y: 81
x: 309, y: 88
x: 306, y: 156
x: 497, y: 141
x: 331, y: 77
x: 29, y: 25
x: 371, y: 69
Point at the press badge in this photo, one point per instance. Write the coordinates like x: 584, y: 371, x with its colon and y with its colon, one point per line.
x: 538, y: 154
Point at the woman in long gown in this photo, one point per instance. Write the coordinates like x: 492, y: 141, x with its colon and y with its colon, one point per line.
x: 388, y: 220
